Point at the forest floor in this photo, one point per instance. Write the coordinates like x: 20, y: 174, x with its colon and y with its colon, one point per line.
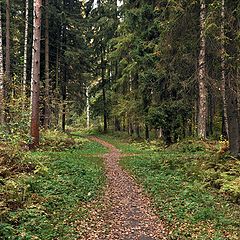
x: 115, y: 187
x: 178, y: 180
x: 127, y: 212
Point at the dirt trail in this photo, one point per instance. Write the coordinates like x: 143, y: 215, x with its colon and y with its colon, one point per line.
x: 126, y: 213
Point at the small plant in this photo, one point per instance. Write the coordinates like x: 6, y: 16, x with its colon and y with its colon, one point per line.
x: 233, y: 188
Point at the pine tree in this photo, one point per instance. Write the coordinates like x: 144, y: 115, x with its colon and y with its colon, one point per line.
x: 202, y: 114
x: 35, y: 111
x: 8, y: 57
x: 47, y: 76
x: 25, y: 52
x: 1, y: 72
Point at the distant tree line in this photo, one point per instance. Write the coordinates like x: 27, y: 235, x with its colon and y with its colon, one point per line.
x: 168, y: 67
x: 43, y: 55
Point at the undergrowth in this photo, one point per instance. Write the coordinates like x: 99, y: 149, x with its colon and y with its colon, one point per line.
x: 193, y: 187
x: 43, y: 192
x: 59, y: 141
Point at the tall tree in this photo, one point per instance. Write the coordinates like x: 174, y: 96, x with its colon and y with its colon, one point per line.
x: 202, y: 114
x: 232, y: 78
x: 7, y: 60
x: 64, y: 68
x: 104, y: 100
x: 1, y: 72
x: 47, y: 77
x: 36, y: 74
x: 25, y: 51
x: 87, y: 107
x: 223, y: 68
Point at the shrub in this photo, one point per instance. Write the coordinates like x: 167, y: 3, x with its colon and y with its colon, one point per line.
x: 58, y: 141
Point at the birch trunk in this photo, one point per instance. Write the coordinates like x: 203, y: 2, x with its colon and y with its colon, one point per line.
x: 36, y: 74
x: 202, y: 114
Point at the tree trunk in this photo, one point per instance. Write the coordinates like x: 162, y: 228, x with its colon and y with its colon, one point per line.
x: 63, y: 47
x: 223, y: 72
x: 117, y: 124
x: 167, y: 136
x: 88, y: 107
x: 130, y: 128
x: 231, y: 83
x: 36, y: 74
x: 137, y: 130
x: 105, y: 125
x: 33, y: 52
x: 1, y: 73
x: 124, y: 123
x: 56, y: 110
x: 202, y: 115
x: 47, y: 80
x: 147, y: 135
x: 232, y: 116
x: 210, y: 114
x: 64, y: 97
x: 7, y: 62
x: 25, y: 54
x: 7, y: 77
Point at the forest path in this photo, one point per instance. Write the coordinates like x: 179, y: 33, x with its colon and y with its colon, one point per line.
x: 126, y: 213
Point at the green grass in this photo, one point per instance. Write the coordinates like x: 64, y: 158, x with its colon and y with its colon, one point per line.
x: 126, y: 144
x: 181, y: 199
x: 89, y: 147
x: 176, y: 180
x: 55, y: 195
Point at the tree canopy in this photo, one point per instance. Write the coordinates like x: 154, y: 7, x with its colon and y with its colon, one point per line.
x: 169, y: 67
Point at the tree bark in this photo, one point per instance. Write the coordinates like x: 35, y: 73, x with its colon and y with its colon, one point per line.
x: 147, y: 135
x: 47, y: 79
x: 36, y: 74
x: 210, y: 114
x: 223, y: 72
x: 232, y: 115
x: 33, y: 52
x: 88, y: 107
x: 56, y: 95
x: 25, y: 53
x: 1, y: 73
x: 130, y: 128
x: 64, y: 79
x: 64, y: 98
x: 231, y: 85
x: 105, y: 125
x: 137, y: 130
x: 117, y: 124
x: 202, y: 115
x: 7, y: 61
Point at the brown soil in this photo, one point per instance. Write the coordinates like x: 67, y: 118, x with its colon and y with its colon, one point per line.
x: 125, y: 212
